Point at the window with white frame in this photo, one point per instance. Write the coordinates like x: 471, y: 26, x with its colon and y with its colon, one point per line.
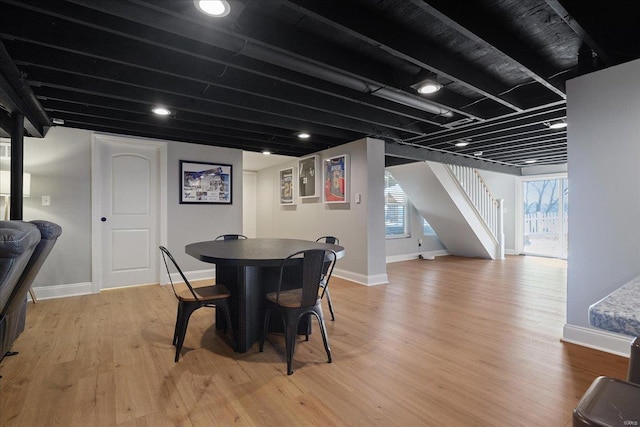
x: 396, y: 212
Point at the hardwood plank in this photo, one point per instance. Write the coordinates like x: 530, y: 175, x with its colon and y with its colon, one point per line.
x: 453, y: 341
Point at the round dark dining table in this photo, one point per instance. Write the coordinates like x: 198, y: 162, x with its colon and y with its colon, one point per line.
x: 248, y: 267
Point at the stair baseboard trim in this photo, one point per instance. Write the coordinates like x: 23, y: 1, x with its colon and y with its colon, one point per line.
x: 608, y: 342
x: 425, y: 255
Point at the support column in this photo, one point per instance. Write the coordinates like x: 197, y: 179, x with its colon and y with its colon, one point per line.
x: 17, y: 162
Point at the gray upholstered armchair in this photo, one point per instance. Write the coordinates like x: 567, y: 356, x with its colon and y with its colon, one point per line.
x: 24, y: 247
x: 18, y: 240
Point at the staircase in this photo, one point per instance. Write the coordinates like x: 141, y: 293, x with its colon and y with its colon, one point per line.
x: 457, y: 204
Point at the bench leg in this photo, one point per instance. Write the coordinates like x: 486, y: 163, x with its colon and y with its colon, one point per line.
x: 633, y: 375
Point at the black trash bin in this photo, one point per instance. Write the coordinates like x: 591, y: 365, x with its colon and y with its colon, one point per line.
x: 608, y: 402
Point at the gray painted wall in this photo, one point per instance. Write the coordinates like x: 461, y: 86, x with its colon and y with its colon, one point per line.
x: 399, y: 246
x: 603, y: 110
x: 60, y: 166
x: 503, y: 186
x: 360, y: 227
x: 194, y: 223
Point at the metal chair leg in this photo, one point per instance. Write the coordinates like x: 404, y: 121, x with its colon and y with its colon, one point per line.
x: 229, y: 326
x: 267, y: 315
x: 323, y: 331
x: 326, y: 291
x: 291, y: 330
x: 186, y: 311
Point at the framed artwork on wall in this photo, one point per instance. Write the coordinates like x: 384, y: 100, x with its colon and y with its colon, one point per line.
x: 287, y: 186
x: 336, y: 179
x: 308, y: 177
x: 205, y: 183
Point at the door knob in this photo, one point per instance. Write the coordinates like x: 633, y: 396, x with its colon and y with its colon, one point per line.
x: 103, y: 219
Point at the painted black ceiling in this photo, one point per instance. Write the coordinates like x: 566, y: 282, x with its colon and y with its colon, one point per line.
x: 340, y: 70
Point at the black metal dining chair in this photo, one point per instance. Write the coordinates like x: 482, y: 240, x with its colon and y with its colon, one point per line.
x: 191, y: 299
x: 325, y: 281
x: 230, y: 237
x: 303, y: 301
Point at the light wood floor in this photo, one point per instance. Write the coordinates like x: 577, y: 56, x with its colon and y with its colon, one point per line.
x: 450, y: 342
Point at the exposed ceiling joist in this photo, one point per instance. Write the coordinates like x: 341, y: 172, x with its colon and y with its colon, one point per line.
x: 376, y: 32
x: 338, y: 70
x: 16, y: 96
x: 470, y: 21
x: 407, y: 151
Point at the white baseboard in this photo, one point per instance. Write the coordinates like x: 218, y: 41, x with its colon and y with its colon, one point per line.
x: 62, y: 291
x: 76, y: 289
x: 597, y: 339
x: 511, y: 252
x: 378, y: 279
x: 407, y: 257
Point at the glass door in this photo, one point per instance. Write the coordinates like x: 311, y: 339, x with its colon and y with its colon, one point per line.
x: 546, y: 213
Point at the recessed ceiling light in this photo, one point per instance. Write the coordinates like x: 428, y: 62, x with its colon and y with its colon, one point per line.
x: 161, y: 111
x: 478, y: 153
x: 266, y: 152
x: 530, y: 161
x: 560, y: 124
x: 217, y: 8
x: 304, y: 135
x: 461, y: 144
x: 429, y: 86
x: 57, y: 121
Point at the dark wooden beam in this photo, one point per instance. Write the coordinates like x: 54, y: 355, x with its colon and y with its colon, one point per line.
x: 5, y: 124
x: 16, y: 96
x: 58, y: 99
x: 250, y: 110
x: 421, y: 153
x: 116, y: 40
x: 499, y: 127
x: 560, y: 10
x: 398, y: 42
x: 232, y: 87
x: 471, y: 21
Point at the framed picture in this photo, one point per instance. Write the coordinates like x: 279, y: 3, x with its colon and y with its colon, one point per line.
x: 336, y: 179
x: 287, y: 186
x: 308, y: 177
x: 202, y: 183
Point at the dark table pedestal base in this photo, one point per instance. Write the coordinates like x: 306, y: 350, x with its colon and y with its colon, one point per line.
x: 249, y: 286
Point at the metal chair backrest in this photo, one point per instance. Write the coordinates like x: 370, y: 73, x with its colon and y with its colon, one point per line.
x: 313, y: 267
x: 332, y: 241
x: 329, y: 239
x: 231, y: 237
x: 166, y: 254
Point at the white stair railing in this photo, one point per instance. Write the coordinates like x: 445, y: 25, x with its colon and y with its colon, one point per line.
x: 487, y: 206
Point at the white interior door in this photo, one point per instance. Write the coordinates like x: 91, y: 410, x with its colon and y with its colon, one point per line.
x: 128, y: 212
